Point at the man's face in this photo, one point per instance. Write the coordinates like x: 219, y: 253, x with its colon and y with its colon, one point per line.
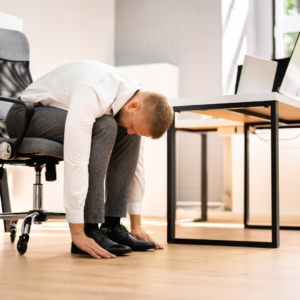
x: 134, y: 126
x: 130, y: 117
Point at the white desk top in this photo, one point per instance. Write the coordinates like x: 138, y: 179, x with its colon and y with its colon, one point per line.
x: 235, y: 99
x: 289, y: 108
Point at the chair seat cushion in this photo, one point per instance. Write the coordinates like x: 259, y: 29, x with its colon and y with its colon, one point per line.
x: 38, y: 146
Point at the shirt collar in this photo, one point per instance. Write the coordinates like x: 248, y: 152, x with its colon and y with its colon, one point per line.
x: 123, y: 98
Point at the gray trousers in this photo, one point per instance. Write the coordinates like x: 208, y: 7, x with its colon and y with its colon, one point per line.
x: 114, y: 156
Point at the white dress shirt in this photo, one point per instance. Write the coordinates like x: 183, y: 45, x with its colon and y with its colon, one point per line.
x: 87, y: 90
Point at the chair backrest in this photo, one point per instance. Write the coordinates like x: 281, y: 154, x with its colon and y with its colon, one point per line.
x: 14, y: 69
x: 280, y: 72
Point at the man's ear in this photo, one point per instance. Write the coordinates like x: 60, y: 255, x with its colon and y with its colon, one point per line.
x: 134, y: 105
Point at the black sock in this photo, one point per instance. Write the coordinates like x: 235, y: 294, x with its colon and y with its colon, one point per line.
x: 90, y: 226
x: 111, y: 222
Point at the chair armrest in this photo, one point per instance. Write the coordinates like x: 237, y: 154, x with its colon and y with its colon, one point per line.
x: 29, y: 111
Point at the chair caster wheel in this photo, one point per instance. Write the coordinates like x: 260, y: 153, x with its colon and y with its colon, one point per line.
x: 22, y: 244
x: 13, y: 233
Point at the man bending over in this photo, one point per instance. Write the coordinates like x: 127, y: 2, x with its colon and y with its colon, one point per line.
x: 99, y: 114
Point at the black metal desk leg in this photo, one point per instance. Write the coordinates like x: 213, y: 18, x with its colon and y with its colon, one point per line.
x: 171, y: 182
x: 275, y: 174
x: 5, y: 201
x: 246, y: 175
x: 203, y: 179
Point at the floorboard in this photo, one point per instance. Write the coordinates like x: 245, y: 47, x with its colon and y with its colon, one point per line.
x: 49, y: 271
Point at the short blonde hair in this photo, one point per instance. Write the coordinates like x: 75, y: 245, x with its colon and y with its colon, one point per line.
x: 158, y: 112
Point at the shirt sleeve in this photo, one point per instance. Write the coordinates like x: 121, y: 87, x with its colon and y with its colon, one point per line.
x: 83, y: 109
x: 137, y: 190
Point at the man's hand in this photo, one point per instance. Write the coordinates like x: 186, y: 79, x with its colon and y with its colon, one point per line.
x: 87, y: 244
x: 139, y: 233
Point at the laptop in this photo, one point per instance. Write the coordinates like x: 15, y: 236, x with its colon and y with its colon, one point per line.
x: 290, y: 85
x: 257, y: 76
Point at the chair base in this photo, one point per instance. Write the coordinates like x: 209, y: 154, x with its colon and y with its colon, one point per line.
x: 29, y: 217
x: 36, y: 215
x: 43, y: 215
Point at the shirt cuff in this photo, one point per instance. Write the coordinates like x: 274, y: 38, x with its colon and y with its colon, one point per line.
x: 134, y: 208
x: 74, y: 216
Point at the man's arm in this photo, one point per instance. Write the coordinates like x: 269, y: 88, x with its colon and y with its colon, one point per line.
x: 137, y: 192
x: 77, y: 148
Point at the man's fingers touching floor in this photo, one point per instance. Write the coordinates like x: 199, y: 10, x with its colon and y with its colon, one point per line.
x: 103, y: 253
x: 158, y: 246
x: 93, y: 254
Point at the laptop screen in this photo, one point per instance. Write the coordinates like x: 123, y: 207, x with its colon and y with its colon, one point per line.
x: 291, y: 82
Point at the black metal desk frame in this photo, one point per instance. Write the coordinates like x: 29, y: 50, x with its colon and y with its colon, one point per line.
x: 171, y: 178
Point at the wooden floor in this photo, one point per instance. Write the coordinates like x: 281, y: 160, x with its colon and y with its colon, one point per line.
x: 49, y: 271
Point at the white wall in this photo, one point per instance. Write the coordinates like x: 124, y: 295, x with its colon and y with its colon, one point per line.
x: 58, y: 32
x: 184, y: 33
x: 260, y: 174
x: 10, y: 22
x: 162, y: 78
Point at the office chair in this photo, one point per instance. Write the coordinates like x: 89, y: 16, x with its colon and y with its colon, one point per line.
x: 31, y: 152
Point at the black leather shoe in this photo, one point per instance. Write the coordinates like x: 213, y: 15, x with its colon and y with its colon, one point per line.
x: 122, y: 236
x: 103, y: 241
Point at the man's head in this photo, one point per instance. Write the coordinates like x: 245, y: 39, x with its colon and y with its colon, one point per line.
x: 147, y: 114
